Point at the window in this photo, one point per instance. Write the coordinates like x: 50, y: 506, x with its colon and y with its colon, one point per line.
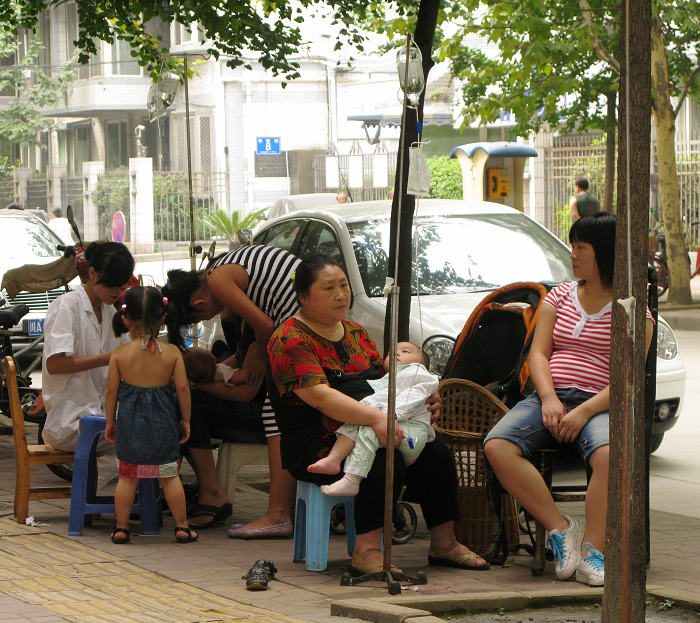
x: 319, y: 239
x: 181, y: 35
x: 201, y: 142
x: 281, y: 236
x: 116, y: 145
x: 123, y: 64
x: 5, y: 62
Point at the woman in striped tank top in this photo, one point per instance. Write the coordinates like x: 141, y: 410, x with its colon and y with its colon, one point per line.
x: 253, y: 283
x: 569, y: 365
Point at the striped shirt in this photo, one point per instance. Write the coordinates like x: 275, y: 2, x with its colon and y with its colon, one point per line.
x: 270, y: 285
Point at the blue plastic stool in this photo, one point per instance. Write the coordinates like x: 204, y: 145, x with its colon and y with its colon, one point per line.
x: 313, y: 520
x: 84, y: 502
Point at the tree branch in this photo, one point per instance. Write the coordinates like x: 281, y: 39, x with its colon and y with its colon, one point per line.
x: 598, y: 46
x: 686, y: 88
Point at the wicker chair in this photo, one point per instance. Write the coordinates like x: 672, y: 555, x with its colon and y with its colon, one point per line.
x: 468, y: 413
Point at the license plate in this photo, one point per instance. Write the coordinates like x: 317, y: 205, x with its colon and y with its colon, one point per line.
x: 35, y: 326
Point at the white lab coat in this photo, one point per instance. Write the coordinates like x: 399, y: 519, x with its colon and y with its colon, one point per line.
x: 71, y: 327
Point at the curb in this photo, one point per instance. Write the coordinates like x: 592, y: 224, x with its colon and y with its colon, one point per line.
x: 427, y: 609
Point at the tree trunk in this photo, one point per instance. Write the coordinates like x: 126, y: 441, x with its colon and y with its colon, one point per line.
x: 625, y: 550
x: 608, y: 205
x: 425, y: 31
x: 679, y: 290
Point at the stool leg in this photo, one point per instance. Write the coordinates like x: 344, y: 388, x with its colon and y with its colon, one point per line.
x: 317, y: 530
x: 538, y: 561
x: 148, y: 505
x: 78, y: 495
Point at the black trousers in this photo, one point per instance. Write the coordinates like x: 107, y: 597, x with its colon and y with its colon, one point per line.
x: 430, y: 481
x: 213, y: 417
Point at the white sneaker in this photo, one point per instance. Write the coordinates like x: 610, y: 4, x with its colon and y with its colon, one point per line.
x: 591, y: 566
x: 566, y: 547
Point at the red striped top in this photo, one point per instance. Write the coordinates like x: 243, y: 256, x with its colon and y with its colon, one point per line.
x: 580, y: 342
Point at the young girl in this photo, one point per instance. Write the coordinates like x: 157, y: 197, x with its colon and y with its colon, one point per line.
x: 141, y: 375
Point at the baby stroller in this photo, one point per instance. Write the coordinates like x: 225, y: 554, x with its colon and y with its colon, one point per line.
x: 486, y: 374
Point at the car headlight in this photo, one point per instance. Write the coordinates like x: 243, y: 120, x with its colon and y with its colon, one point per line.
x: 666, y: 342
x: 438, y: 348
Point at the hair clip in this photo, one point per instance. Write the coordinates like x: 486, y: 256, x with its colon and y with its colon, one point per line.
x: 165, y: 301
x: 123, y: 307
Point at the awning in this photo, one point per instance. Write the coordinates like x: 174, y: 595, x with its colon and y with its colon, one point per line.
x: 498, y: 149
x: 394, y: 120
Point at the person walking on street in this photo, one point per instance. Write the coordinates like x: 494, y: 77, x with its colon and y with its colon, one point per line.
x: 582, y: 202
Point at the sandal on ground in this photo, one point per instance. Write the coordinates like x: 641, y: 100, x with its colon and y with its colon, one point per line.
x: 124, y: 539
x: 259, y: 575
x: 361, y: 565
x: 188, y: 531
x: 443, y: 558
x: 214, y: 513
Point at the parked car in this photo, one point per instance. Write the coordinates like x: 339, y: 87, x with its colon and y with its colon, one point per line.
x: 25, y: 239
x: 462, y: 250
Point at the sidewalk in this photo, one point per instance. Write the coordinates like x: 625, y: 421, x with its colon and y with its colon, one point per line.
x: 46, y: 576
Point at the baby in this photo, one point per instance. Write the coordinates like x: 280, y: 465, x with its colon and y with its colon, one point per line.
x: 201, y: 367
x: 359, y: 443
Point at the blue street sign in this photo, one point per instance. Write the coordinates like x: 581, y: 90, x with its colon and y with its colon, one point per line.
x: 268, y: 146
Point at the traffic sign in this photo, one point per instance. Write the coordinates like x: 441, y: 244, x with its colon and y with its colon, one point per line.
x: 268, y: 146
x: 118, y: 226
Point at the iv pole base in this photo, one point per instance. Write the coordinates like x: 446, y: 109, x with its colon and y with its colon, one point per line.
x: 393, y: 579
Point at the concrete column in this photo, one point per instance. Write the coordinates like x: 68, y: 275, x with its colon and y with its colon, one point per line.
x: 91, y: 174
x: 22, y: 174
x: 472, y: 174
x: 141, y: 226
x: 54, y: 174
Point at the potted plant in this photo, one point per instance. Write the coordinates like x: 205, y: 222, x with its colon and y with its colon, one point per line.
x: 227, y: 225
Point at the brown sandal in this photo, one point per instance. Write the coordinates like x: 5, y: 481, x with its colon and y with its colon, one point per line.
x: 360, y: 565
x: 443, y: 558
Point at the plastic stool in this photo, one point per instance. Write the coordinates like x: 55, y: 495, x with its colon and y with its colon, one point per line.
x: 312, y: 525
x: 84, y: 502
x: 233, y: 456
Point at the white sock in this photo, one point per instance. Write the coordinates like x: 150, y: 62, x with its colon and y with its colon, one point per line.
x: 347, y: 485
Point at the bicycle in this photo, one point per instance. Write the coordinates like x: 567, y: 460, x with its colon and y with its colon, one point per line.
x: 658, y: 258
x: 29, y: 396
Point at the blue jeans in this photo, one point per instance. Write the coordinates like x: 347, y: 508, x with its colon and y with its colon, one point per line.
x: 523, y: 426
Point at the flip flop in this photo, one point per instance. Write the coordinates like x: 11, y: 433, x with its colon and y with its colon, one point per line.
x: 117, y: 531
x: 361, y: 566
x: 443, y: 558
x: 217, y: 514
x: 188, y: 531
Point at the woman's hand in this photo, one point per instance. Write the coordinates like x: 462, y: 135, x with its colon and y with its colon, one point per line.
x: 255, y: 363
x: 571, y: 424
x: 552, y: 412
x: 111, y: 432
x: 434, y: 405
x: 380, y: 428
x: 184, y: 431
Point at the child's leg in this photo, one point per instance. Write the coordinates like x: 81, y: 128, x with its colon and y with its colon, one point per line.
x: 175, y: 497
x: 417, y: 432
x: 124, y: 494
x: 357, y: 465
x: 331, y: 464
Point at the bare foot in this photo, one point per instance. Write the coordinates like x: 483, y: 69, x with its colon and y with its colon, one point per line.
x: 325, y: 465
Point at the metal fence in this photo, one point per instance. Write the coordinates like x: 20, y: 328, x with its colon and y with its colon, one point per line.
x: 334, y: 173
x: 572, y: 156
x: 171, y: 203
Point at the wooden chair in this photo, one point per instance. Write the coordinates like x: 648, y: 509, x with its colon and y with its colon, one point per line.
x: 27, y: 456
x: 468, y: 413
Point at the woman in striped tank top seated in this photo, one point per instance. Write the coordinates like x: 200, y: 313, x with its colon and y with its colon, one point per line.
x: 569, y: 365
x: 255, y: 284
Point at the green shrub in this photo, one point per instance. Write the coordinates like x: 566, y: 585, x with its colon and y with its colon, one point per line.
x: 445, y: 178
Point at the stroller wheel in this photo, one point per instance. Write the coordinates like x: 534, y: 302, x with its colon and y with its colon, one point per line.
x: 405, y: 523
x: 338, y: 519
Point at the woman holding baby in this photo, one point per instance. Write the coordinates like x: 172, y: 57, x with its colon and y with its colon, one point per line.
x: 320, y: 365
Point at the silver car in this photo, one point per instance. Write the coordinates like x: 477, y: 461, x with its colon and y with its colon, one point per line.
x: 462, y: 250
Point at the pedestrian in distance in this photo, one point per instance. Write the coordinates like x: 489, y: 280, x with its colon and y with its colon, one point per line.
x: 146, y: 429
x: 582, y: 202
